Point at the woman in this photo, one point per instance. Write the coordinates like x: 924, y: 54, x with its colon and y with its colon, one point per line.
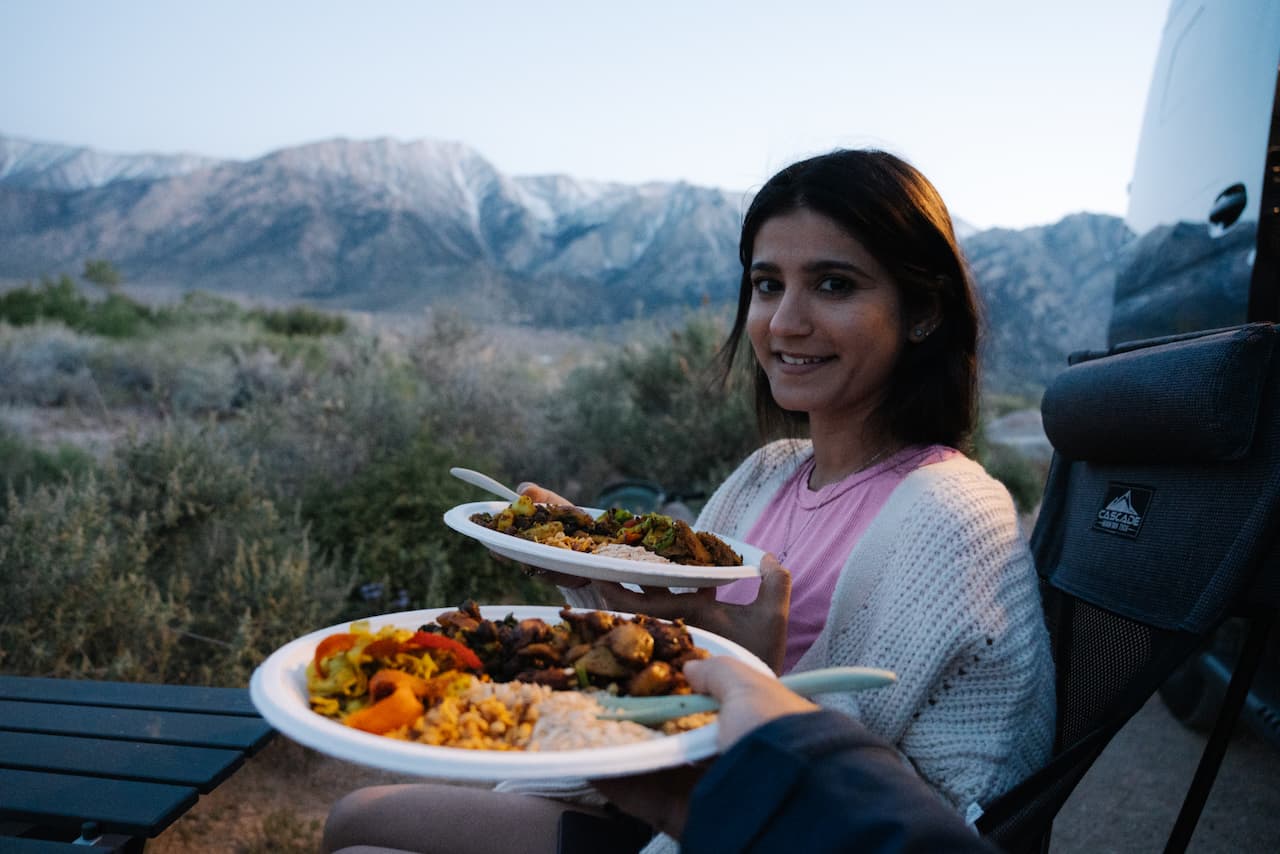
x: 902, y: 552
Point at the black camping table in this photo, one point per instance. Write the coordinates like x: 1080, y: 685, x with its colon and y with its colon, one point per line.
x: 113, y: 761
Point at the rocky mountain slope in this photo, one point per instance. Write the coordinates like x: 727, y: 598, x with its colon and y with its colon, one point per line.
x: 389, y: 226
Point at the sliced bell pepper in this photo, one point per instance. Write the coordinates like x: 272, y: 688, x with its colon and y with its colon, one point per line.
x: 431, y: 640
x: 398, y: 708
x: 330, y: 646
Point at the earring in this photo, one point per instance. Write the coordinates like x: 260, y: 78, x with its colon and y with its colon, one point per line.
x: 918, y: 333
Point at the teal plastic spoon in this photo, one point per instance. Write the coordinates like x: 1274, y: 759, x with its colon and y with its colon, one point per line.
x: 826, y: 680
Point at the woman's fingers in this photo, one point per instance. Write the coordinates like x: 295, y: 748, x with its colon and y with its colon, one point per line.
x: 775, y: 584
x: 539, y: 495
x: 767, y: 617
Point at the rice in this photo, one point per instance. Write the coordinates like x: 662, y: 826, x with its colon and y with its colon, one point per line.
x: 567, y: 721
x: 523, y: 716
x: 629, y: 553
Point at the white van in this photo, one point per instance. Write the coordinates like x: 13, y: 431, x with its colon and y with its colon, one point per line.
x: 1204, y: 204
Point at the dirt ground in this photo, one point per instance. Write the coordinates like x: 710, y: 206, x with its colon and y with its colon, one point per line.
x: 277, y: 801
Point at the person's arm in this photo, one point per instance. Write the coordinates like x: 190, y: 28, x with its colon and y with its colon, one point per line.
x: 815, y: 783
x: 796, y: 778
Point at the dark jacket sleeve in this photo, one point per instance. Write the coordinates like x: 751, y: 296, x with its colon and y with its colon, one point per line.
x: 819, y: 782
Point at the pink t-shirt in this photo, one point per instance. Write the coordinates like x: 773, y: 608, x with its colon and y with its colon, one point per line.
x: 812, y: 532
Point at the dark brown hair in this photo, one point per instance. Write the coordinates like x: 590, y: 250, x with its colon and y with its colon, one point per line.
x: 897, y: 215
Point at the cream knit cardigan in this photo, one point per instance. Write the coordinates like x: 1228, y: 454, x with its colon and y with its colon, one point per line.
x: 941, y: 590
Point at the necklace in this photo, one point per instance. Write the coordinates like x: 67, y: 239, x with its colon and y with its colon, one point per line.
x: 801, y: 477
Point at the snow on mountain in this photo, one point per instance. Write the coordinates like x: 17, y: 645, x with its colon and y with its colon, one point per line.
x: 67, y: 168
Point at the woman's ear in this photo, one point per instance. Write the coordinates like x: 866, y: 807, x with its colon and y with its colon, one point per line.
x: 924, y: 318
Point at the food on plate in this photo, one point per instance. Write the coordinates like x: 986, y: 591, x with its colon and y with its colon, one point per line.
x: 571, y: 528
x: 511, y: 684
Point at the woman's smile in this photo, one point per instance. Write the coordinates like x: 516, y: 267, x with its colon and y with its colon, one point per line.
x: 796, y: 361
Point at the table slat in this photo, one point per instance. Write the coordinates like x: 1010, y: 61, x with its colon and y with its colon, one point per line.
x: 68, y: 800
x: 20, y: 845
x: 223, y: 731
x: 201, y: 767
x: 193, y: 698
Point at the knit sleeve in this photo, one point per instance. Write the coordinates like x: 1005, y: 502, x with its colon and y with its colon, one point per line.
x: 942, y: 591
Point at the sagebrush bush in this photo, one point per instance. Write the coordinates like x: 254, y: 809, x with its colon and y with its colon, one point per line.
x: 47, y: 365
x: 387, y: 522
x: 24, y: 467
x: 475, y: 393
x: 174, y: 564
x: 654, y: 410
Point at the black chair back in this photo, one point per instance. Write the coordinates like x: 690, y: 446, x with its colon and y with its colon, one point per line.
x: 1159, y: 522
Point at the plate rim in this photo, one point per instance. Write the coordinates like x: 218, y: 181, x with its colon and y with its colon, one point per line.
x: 598, y: 567
x: 283, y: 672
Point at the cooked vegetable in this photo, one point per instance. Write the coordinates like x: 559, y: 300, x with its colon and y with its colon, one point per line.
x: 387, y: 681
x: 571, y: 528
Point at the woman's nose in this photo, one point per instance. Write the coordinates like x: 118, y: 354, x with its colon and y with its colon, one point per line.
x: 791, y: 316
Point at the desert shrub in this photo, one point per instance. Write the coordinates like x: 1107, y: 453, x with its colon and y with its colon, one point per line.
x: 300, y: 320
x: 1023, y: 477
x: 117, y: 316
x: 387, y: 520
x: 194, y: 371
x: 357, y: 408
x: 57, y: 300
x: 653, y: 410
x: 78, y: 598
x: 199, y: 308
x: 174, y: 564
x: 60, y: 301
x: 47, y: 365
x: 25, y: 467
x: 481, y: 395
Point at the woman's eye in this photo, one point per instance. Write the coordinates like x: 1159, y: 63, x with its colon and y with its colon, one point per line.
x: 767, y: 286
x: 835, y: 284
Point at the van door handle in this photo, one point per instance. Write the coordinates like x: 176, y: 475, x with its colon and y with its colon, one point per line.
x: 1228, y: 206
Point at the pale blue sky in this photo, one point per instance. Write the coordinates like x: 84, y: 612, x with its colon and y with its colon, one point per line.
x: 1021, y: 111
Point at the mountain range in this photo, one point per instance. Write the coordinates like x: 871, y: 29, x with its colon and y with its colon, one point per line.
x: 382, y: 225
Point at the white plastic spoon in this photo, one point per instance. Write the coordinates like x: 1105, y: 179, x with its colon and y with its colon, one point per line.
x: 483, y: 481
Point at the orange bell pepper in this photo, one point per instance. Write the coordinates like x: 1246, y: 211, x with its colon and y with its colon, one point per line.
x: 398, y: 704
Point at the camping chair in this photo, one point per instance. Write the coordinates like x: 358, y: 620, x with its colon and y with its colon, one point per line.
x: 1159, y: 522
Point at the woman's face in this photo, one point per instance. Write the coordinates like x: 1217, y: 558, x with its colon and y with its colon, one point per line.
x: 825, y: 319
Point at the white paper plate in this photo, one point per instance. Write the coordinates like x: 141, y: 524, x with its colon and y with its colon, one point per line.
x: 279, y: 691
x: 600, y: 567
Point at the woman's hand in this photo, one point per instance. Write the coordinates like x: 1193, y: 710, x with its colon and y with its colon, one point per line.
x: 761, y: 626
